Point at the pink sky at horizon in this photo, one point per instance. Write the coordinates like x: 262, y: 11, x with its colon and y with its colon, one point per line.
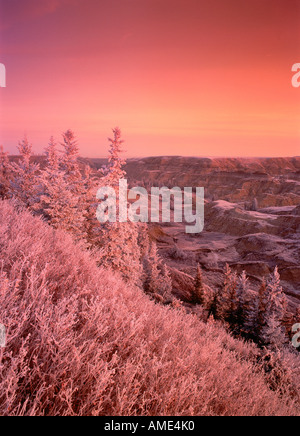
x: 179, y: 77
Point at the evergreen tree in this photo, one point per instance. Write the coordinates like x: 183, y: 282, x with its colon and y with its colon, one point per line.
x: 143, y: 239
x: 115, y: 172
x: 52, y: 184
x: 5, y: 174
x: 69, y: 160
x: 59, y: 204
x: 52, y: 158
x: 231, y: 314
x: 120, y: 251
x: 250, y: 316
x: 62, y: 196
x: 199, y: 295
x: 166, y: 283
x: 91, y: 226
x: 276, y: 298
x: 152, y: 262
x: 118, y: 242
x: 157, y: 278
x: 242, y: 289
x: 23, y: 184
x: 246, y: 306
x: 262, y: 299
x: 227, y: 301
x: 213, y: 307
x: 273, y: 331
x: 276, y: 311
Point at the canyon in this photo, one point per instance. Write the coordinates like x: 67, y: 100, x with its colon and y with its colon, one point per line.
x: 252, y: 219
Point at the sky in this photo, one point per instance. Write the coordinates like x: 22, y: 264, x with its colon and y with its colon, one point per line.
x: 178, y: 77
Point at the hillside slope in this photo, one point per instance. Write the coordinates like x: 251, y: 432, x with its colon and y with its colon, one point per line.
x: 81, y: 342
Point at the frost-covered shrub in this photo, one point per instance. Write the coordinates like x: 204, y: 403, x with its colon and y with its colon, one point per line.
x: 177, y: 253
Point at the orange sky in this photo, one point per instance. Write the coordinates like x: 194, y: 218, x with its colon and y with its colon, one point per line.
x: 179, y: 77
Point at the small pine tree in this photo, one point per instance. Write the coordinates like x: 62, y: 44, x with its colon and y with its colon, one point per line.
x: 246, y: 307
x: 62, y: 196
x: 231, y: 314
x: 198, y: 294
x: 118, y: 242
x: 213, y: 306
x: 119, y: 250
x: 23, y: 184
x: 276, y: 298
x: 91, y: 226
x: 59, y: 204
x: 143, y: 239
x: 273, y: 333
x: 166, y: 283
x: 227, y: 301
x: 152, y: 282
x: 69, y: 160
x: 157, y: 277
x: 115, y: 172
x: 52, y: 158
x: 272, y: 329
x: 262, y: 299
x: 5, y: 174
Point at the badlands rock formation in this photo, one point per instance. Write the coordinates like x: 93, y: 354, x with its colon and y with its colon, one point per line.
x: 272, y: 181
x: 252, y: 218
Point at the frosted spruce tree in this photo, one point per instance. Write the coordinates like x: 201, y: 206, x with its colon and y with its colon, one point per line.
x: 143, y: 239
x: 118, y: 242
x: 227, y: 305
x: 23, y: 186
x: 166, y: 284
x: 115, y: 169
x: 199, y: 295
x: 5, y: 174
x: 51, y: 153
x: 119, y: 251
x: 259, y: 316
x: 69, y: 160
x: 157, y: 280
x: 152, y: 271
x: 90, y: 226
x: 246, y: 314
x: 247, y: 307
x: 62, y: 187
x: 272, y: 331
